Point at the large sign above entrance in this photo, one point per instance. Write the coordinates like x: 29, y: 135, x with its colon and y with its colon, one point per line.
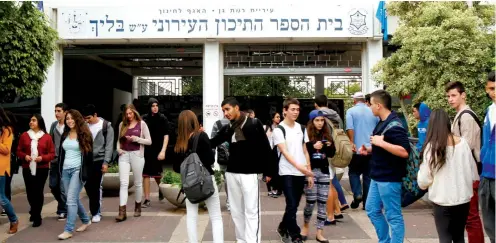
x: 215, y: 22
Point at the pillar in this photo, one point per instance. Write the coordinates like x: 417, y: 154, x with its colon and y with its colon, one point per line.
x: 227, y: 86
x: 52, y: 90
x: 319, y: 85
x: 135, y: 89
x: 371, y: 55
x: 213, y: 84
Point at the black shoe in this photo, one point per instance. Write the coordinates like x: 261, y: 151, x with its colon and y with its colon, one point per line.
x: 322, y: 241
x: 37, y: 223
x: 327, y: 222
x: 345, y: 207
x: 160, y: 196
x: 62, y: 217
x: 356, y: 203
x: 146, y: 204
x: 338, y: 216
x: 283, y: 234
x: 297, y: 240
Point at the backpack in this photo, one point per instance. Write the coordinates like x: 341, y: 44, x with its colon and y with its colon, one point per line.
x: 197, y: 183
x: 222, y: 149
x: 411, y: 192
x: 284, y: 134
x: 478, y: 163
x: 344, y: 148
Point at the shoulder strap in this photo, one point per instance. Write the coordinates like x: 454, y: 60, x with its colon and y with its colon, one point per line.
x: 391, y: 125
x: 470, y: 113
x: 104, y: 131
x: 283, y: 130
x: 195, y: 143
x: 303, y: 132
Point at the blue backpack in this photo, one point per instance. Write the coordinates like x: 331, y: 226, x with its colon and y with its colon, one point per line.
x: 410, y: 191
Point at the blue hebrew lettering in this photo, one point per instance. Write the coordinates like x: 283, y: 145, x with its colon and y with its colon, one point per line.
x: 320, y: 22
x: 340, y: 21
x: 121, y: 23
x: 205, y: 22
x: 110, y: 22
x: 248, y: 21
x: 192, y: 24
x: 94, y: 28
x: 307, y: 22
x: 295, y: 24
x: 260, y: 21
x: 284, y: 24
x: 277, y: 22
x: 144, y: 28
x: 234, y: 26
x: 161, y: 28
x: 168, y: 24
x: 175, y: 21
x: 132, y: 27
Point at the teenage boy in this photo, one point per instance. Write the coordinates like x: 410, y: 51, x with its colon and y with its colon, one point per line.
x: 294, y: 165
x: 421, y: 112
x: 56, y: 131
x: 103, y: 139
x: 488, y: 158
x: 321, y: 104
x: 249, y: 155
x: 390, y: 148
x: 360, y: 123
x: 465, y: 125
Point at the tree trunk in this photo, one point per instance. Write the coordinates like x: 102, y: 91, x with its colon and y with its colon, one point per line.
x: 405, y: 113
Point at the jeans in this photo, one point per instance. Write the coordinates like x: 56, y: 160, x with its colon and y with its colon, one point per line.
x: 293, y: 189
x: 450, y: 222
x: 359, y: 165
x: 213, y: 205
x: 73, y: 186
x: 486, y: 200
x: 386, y: 195
x: 57, y: 188
x: 129, y: 160
x: 339, y: 190
x: 5, y: 202
x: 34, y: 190
x: 92, y: 187
x: 8, y: 188
x: 317, y: 195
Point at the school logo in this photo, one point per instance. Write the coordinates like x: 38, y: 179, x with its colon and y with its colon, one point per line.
x: 75, y: 20
x: 358, y: 25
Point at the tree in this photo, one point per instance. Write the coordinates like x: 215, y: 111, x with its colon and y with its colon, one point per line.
x: 341, y: 90
x: 27, y: 43
x: 439, y: 42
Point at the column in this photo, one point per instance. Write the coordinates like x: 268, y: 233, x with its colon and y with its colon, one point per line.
x: 135, y: 88
x: 213, y: 84
x: 319, y: 85
x: 227, y: 86
x: 52, y: 90
x: 371, y: 55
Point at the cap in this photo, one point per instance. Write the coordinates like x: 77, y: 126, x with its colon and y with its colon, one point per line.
x: 315, y: 113
x: 358, y: 95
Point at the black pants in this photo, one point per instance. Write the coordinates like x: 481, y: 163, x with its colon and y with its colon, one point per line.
x: 293, y: 189
x: 359, y: 166
x: 35, y: 186
x: 275, y: 184
x: 450, y: 222
x: 57, y: 189
x: 92, y: 187
x: 8, y: 183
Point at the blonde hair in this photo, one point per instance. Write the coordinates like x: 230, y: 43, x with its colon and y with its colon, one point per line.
x: 125, y: 122
x: 187, y: 123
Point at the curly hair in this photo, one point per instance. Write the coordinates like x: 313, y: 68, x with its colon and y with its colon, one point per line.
x: 83, y: 132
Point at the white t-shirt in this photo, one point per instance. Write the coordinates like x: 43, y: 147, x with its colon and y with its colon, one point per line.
x: 294, y: 145
x: 492, y: 114
x: 60, y: 128
x: 95, y: 128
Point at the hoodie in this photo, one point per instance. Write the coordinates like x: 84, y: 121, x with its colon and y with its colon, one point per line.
x: 488, y: 151
x: 158, y: 124
x: 422, y: 125
x: 333, y: 116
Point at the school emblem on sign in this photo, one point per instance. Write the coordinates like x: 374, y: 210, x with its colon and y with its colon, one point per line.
x: 75, y: 20
x: 358, y: 25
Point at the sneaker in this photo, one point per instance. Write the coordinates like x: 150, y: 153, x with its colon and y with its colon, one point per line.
x: 160, y: 196
x: 356, y: 203
x: 284, y: 235
x: 62, y: 217
x: 146, y: 204
x: 3, y: 213
x: 96, y: 219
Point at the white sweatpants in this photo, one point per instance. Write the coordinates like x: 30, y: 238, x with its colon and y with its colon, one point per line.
x: 213, y: 206
x: 244, y: 199
x: 128, y: 161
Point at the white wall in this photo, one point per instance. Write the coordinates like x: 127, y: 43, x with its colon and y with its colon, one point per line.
x: 120, y: 97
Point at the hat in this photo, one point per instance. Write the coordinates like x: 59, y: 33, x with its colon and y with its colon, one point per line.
x: 315, y: 113
x: 152, y: 101
x: 358, y: 95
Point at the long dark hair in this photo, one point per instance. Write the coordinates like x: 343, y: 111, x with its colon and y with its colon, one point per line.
x: 315, y: 135
x: 270, y: 122
x: 41, y: 122
x: 438, y: 133
x: 4, y: 122
x: 83, y: 132
x: 187, y: 123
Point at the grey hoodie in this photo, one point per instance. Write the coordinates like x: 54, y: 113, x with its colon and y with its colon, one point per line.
x: 102, y: 150
x: 333, y: 116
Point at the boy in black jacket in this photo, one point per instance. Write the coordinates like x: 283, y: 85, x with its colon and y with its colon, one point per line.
x: 249, y: 155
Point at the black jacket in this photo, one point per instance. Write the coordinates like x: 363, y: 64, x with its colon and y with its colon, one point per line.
x: 322, y: 164
x: 86, y: 159
x: 251, y: 156
x: 204, y: 152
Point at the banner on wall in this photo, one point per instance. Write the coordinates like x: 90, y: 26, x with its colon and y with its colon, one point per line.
x: 215, y: 22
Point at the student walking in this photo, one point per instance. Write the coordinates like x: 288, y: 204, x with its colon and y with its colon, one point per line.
x: 294, y: 165
x: 36, y: 150
x: 390, y: 148
x: 133, y: 136
x: 320, y: 147
x: 6, y: 138
x: 154, y: 154
x: 188, y: 133
x: 448, y: 170
x: 75, y: 161
x: 274, y: 187
x: 466, y: 125
x: 249, y: 155
x: 103, y: 138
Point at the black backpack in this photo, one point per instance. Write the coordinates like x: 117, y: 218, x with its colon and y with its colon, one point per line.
x: 222, y: 149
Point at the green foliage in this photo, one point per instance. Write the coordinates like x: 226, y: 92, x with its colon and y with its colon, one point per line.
x: 341, y: 90
x: 439, y: 42
x: 27, y: 43
x: 113, y: 168
x: 171, y: 177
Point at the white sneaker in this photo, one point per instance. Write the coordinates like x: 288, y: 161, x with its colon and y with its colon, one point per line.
x: 228, y: 207
x: 96, y: 219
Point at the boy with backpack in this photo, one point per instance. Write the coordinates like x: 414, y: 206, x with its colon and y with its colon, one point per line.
x: 467, y: 125
x: 290, y: 138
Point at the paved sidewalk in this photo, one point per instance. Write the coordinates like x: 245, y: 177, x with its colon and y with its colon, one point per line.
x: 165, y: 223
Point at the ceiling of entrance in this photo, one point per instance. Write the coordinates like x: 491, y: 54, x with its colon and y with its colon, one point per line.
x: 185, y: 60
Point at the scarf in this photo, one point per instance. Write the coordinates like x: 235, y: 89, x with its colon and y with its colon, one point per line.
x: 237, y: 126
x: 35, y: 136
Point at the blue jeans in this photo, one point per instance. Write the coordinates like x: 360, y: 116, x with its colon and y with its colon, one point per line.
x: 4, y: 201
x: 72, y: 186
x: 386, y: 195
x: 339, y: 190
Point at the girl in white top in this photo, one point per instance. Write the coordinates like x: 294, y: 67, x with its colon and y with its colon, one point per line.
x: 448, y: 171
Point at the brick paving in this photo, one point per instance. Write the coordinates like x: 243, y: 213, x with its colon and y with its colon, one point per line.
x: 163, y: 222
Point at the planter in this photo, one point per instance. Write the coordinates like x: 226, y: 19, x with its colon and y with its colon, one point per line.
x: 170, y: 193
x: 111, y: 181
